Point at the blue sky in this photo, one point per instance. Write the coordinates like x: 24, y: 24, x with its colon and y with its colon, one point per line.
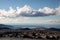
x: 36, y: 4
x: 30, y: 11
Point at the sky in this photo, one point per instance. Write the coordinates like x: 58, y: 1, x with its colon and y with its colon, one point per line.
x: 30, y: 11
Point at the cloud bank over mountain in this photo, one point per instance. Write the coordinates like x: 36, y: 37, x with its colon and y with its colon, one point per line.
x: 27, y: 11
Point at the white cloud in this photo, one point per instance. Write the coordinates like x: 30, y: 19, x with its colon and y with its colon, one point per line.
x: 10, y: 13
x: 57, y: 10
x: 25, y: 12
x: 25, y: 9
x: 29, y: 12
x: 46, y: 10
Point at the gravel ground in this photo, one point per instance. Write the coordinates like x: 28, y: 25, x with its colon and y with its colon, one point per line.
x: 17, y: 39
x: 22, y: 39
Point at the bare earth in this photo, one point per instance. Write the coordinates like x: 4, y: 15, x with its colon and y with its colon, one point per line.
x: 19, y: 39
x: 8, y: 38
x: 30, y: 34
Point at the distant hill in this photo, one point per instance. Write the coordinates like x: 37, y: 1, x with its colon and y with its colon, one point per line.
x: 3, y: 26
x: 47, y: 29
x: 25, y: 29
x: 54, y: 29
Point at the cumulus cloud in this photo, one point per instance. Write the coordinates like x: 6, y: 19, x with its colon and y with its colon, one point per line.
x: 46, y: 10
x: 57, y: 11
x: 10, y: 13
x: 27, y: 11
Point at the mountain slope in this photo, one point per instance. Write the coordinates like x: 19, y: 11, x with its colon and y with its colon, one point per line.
x: 3, y: 26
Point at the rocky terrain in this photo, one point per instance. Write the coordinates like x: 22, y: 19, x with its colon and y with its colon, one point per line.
x: 33, y: 33
x: 30, y: 33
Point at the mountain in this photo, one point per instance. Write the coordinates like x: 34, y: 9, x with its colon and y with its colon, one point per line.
x: 3, y: 26
x: 54, y: 29
x: 25, y: 29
